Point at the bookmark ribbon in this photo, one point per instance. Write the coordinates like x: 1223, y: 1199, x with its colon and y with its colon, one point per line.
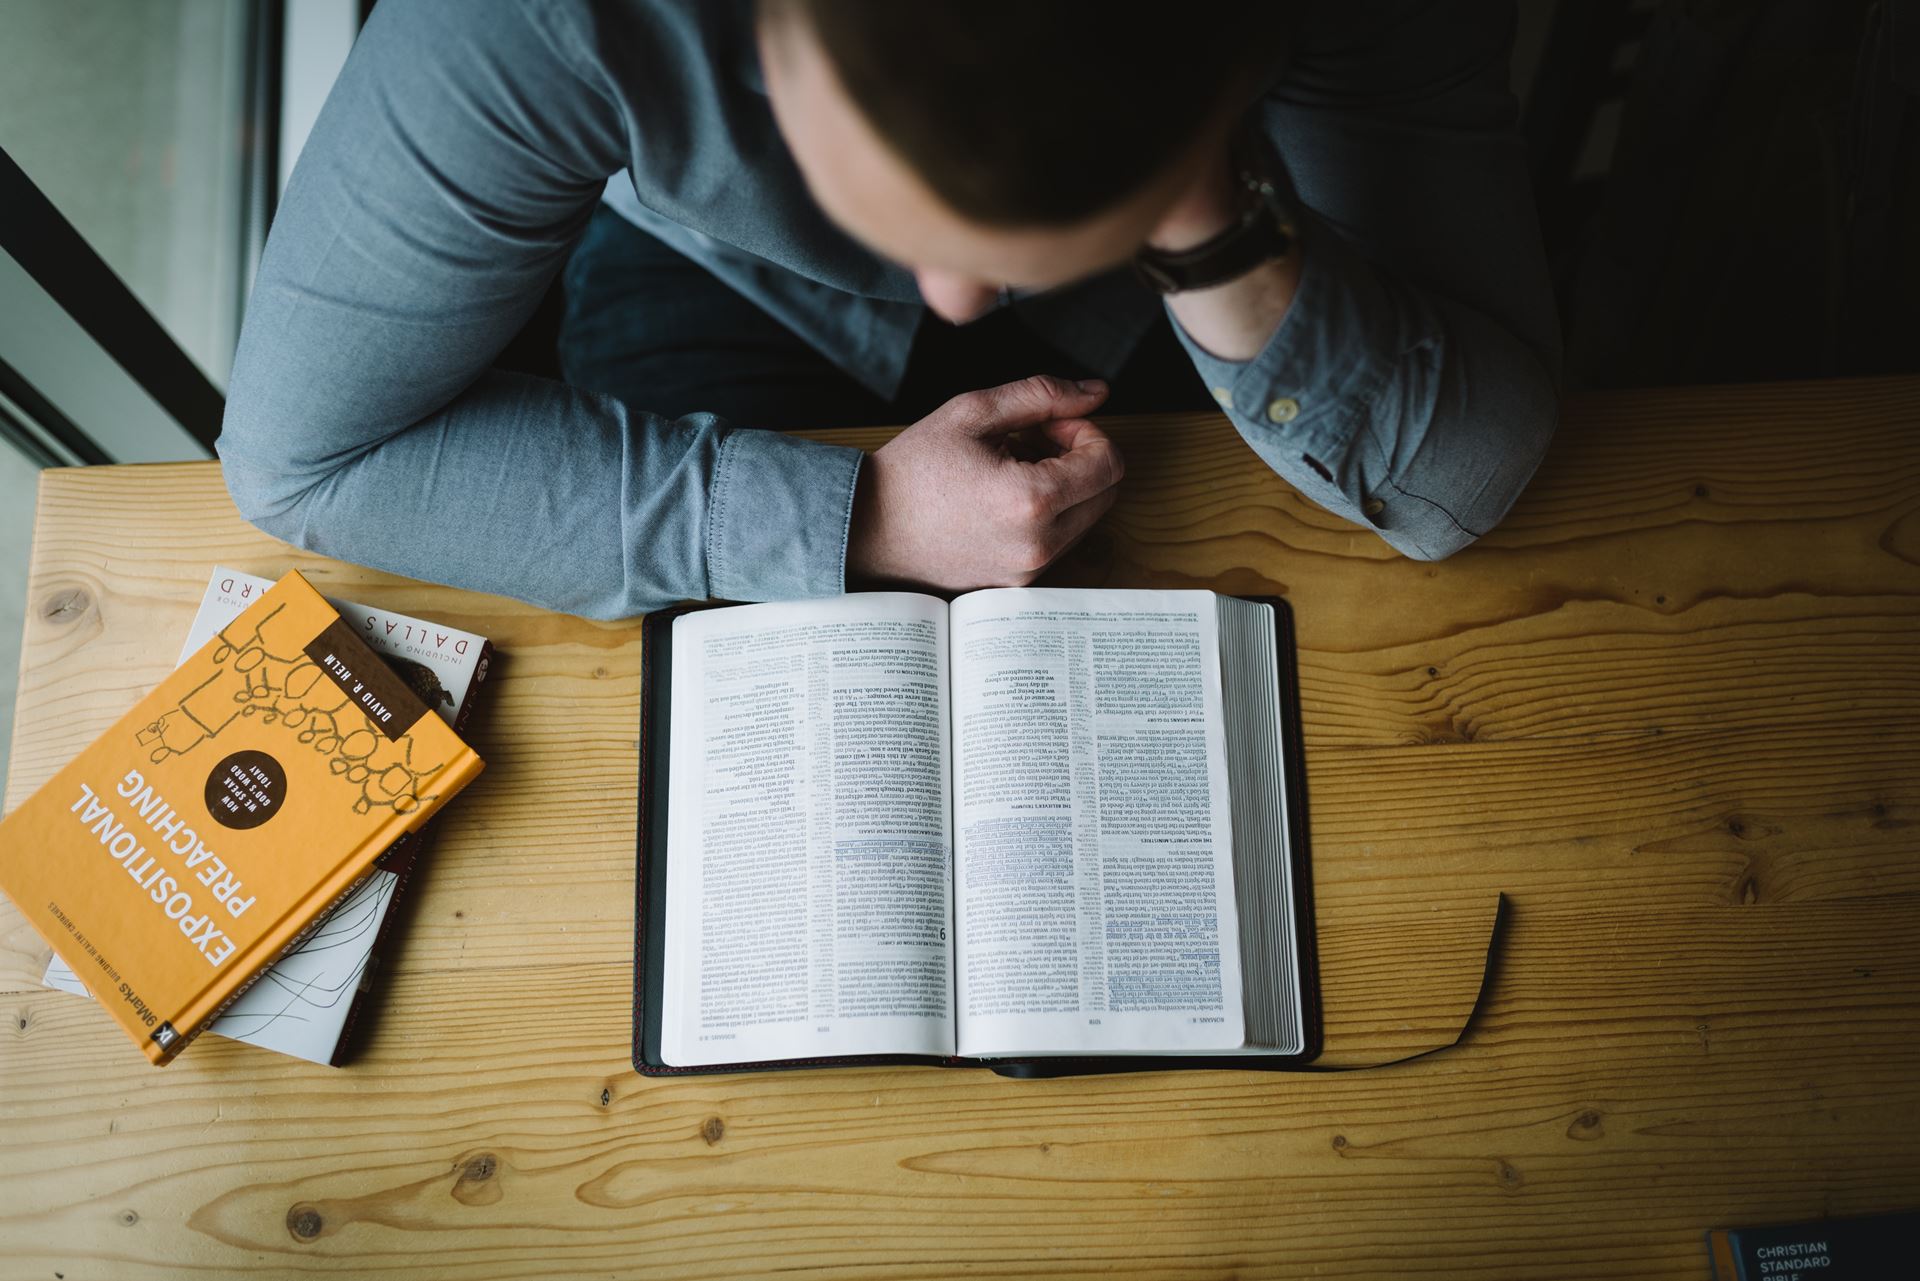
x: 1036, y: 1068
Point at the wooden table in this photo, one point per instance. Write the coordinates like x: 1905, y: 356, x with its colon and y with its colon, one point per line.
x: 1671, y: 708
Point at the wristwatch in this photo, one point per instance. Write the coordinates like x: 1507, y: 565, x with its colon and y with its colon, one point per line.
x: 1263, y: 233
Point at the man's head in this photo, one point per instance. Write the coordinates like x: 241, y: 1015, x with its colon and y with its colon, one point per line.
x: 987, y: 142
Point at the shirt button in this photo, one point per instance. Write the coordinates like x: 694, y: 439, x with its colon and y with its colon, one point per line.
x: 1373, y: 507
x: 1284, y: 410
x: 1224, y: 396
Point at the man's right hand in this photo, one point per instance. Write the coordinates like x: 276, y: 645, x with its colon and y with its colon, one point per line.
x: 950, y: 503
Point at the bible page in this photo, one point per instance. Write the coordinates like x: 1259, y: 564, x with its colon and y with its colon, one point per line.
x: 1094, y: 885
x: 809, y: 832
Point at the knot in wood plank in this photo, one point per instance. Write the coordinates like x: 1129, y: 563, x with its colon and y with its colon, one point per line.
x: 65, y: 605
x: 476, y: 1184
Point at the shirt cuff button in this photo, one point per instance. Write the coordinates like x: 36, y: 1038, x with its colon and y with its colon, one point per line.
x: 1224, y: 396
x: 1283, y: 410
x: 1373, y: 507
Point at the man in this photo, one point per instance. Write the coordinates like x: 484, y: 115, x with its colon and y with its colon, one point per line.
x: 1333, y: 197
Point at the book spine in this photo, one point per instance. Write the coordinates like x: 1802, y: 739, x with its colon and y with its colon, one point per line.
x: 417, y: 839
x: 404, y: 879
x: 1725, y: 1266
x: 481, y: 667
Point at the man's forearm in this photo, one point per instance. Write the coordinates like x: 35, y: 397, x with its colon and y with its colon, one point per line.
x: 1399, y: 370
x: 1396, y: 409
x: 1234, y: 320
x: 530, y: 489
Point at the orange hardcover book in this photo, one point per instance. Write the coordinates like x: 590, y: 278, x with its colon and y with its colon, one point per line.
x: 191, y: 844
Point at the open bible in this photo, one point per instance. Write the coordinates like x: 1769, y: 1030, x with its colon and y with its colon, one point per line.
x: 1046, y: 827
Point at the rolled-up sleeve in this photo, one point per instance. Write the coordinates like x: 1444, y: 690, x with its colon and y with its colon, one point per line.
x: 1412, y: 386
x: 453, y: 168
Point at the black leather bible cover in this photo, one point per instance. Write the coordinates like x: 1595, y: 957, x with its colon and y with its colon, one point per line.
x: 650, y: 894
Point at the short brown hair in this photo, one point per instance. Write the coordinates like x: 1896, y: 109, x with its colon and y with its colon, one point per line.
x: 1041, y: 112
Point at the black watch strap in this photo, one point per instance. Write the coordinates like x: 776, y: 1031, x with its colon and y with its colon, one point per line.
x: 1263, y: 233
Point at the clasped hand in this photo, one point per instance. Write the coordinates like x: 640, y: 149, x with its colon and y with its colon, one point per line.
x: 987, y: 490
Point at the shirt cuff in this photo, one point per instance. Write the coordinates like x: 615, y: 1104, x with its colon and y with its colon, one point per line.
x: 1310, y: 386
x: 1402, y: 411
x: 777, y: 517
x: 1343, y: 354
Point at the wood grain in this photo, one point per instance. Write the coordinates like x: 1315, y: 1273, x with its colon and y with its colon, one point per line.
x: 1669, y: 708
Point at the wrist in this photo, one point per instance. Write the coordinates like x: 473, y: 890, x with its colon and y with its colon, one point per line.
x: 862, y: 519
x: 1231, y: 227
x: 874, y: 548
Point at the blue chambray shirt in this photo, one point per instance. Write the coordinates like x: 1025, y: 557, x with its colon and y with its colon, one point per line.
x: 467, y: 142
